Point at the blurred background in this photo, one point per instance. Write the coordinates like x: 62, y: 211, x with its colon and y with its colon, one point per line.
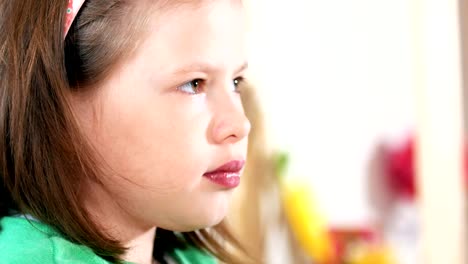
x: 357, y: 147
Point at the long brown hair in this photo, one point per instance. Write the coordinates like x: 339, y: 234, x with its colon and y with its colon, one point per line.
x: 44, y: 158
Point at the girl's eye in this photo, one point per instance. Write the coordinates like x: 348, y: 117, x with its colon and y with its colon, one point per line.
x: 192, y: 87
x: 196, y: 86
x: 237, y: 83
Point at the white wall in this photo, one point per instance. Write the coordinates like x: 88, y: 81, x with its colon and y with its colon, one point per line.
x: 335, y: 79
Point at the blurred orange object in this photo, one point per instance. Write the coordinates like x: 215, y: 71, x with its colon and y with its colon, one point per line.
x: 371, y: 255
x: 360, y: 246
x: 345, y: 237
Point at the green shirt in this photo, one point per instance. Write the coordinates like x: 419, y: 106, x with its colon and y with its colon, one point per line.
x: 31, y: 242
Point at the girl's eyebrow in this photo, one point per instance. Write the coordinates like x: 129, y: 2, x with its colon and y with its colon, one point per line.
x: 204, y: 67
x: 242, y: 68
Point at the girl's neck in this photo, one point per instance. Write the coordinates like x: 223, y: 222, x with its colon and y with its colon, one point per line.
x: 140, y: 249
x: 139, y: 239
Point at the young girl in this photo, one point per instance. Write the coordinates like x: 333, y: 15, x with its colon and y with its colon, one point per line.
x: 119, y: 121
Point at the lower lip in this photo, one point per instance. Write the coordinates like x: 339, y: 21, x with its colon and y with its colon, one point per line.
x: 225, y: 179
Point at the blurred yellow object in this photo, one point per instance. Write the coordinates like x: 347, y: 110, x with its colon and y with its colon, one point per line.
x: 374, y: 255
x: 307, y: 223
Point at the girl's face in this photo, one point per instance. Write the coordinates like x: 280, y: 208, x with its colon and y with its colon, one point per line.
x: 170, y: 114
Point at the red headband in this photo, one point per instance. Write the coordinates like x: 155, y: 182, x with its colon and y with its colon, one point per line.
x: 72, y: 9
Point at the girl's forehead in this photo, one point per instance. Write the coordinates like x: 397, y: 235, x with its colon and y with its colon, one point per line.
x: 217, y: 29
x: 216, y: 17
x: 175, y: 6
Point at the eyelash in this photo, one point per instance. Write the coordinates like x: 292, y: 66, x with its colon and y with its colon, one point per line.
x: 195, y: 84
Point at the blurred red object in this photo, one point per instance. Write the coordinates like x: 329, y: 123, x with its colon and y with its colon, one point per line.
x: 401, y: 169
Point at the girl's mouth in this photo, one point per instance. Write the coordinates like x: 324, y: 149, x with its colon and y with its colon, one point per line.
x: 228, y: 175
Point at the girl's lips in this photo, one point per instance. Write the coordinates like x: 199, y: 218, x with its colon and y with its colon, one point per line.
x: 228, y: 175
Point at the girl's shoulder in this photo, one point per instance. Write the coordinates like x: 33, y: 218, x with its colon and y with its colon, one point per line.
x: 27, y: 241
x: 192, y: 255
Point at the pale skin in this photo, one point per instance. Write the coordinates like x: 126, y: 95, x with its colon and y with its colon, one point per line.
x: 158, y: 132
